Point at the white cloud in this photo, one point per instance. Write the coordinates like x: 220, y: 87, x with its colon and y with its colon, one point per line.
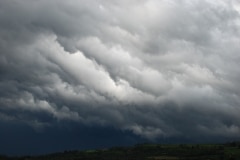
x: 83, y: 60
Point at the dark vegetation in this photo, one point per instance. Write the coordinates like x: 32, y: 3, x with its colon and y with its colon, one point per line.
x: 228, y: 151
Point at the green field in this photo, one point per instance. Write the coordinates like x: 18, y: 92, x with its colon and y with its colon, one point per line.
x: 228, y: 151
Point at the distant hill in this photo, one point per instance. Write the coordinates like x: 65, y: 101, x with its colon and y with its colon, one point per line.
x: 227, y: 151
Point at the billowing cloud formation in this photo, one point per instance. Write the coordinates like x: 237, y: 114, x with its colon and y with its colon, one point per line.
x: 157, y: 68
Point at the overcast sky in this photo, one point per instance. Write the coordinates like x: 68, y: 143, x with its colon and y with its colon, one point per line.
x: 131, y: 70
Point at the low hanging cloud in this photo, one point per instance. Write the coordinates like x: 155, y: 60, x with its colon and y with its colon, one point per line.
x: 157, y: 68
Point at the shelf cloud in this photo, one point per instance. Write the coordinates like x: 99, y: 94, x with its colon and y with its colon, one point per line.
x: 155, y: 68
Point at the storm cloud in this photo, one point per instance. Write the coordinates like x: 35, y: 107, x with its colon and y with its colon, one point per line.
x: 155, y: 68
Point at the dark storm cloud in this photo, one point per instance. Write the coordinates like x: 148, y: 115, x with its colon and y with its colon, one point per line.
x: 154, y: 68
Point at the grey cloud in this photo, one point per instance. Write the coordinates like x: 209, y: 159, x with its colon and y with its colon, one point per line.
x: 156, y: 68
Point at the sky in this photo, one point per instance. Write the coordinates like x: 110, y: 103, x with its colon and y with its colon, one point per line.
x: 82, y: 74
